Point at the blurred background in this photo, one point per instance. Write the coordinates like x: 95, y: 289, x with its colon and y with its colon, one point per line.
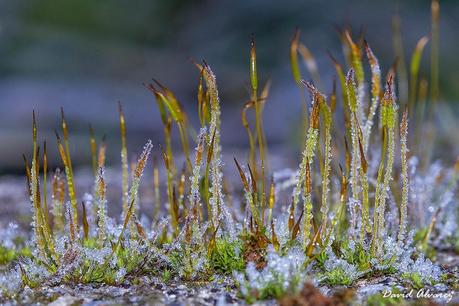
x: 87, y: 55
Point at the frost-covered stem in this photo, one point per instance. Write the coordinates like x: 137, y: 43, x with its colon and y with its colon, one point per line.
x: 354, y: 161
x: 308, y: 152
x: 36, y: 203
x: 369, y: 122
x: 57, y: 199
x: 376, y: 212
x: 405, y: 188
x: 70, y: 185
x: 365, y: 206
x: 68, y: 170
x: 387, y: 178
x: 195, y: 195
x: 70, y: 226
x: 307, y: 205
x: 124, y: 161
x: 216, y: 199
x: 326, y: 176
x: 388, y: 121
x: 137, y: 175
x: 353, y: 107
x: 102, y: 203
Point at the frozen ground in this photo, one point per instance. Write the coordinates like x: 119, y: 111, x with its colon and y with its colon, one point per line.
x: 146, y: 290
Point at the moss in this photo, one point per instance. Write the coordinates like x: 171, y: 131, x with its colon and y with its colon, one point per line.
x: 415, y: 279
x: 8, y: 255
x: 357, y: 256
x: 336, y: 277
x: 226, y: 257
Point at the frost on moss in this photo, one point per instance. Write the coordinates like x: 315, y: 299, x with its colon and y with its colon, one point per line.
x: 338, y: 271
x: 282, y: 275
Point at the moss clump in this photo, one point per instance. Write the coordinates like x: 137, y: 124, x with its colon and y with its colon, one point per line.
x: 8, y: 255
x: 226, y: 257
x: 337, y: 277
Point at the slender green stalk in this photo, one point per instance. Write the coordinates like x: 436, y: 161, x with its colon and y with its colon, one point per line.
x: 272, y: 201
x: 170, y: 102
x: 35, y: 193
x: 434, y: 54
x: 258, y: 120
x: 296, y: 72
x: 357, y: 65
x: 157, y: 196
x: 93, y: 146
x: 68, y: 168
x: 294, y: 57
x: 420, y: 115
x: 310, y: 63
x: 414, y: 73
x: 400, y: 54
x: 245, y: 123
x: 356, y: 57
x: 375, y: 91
